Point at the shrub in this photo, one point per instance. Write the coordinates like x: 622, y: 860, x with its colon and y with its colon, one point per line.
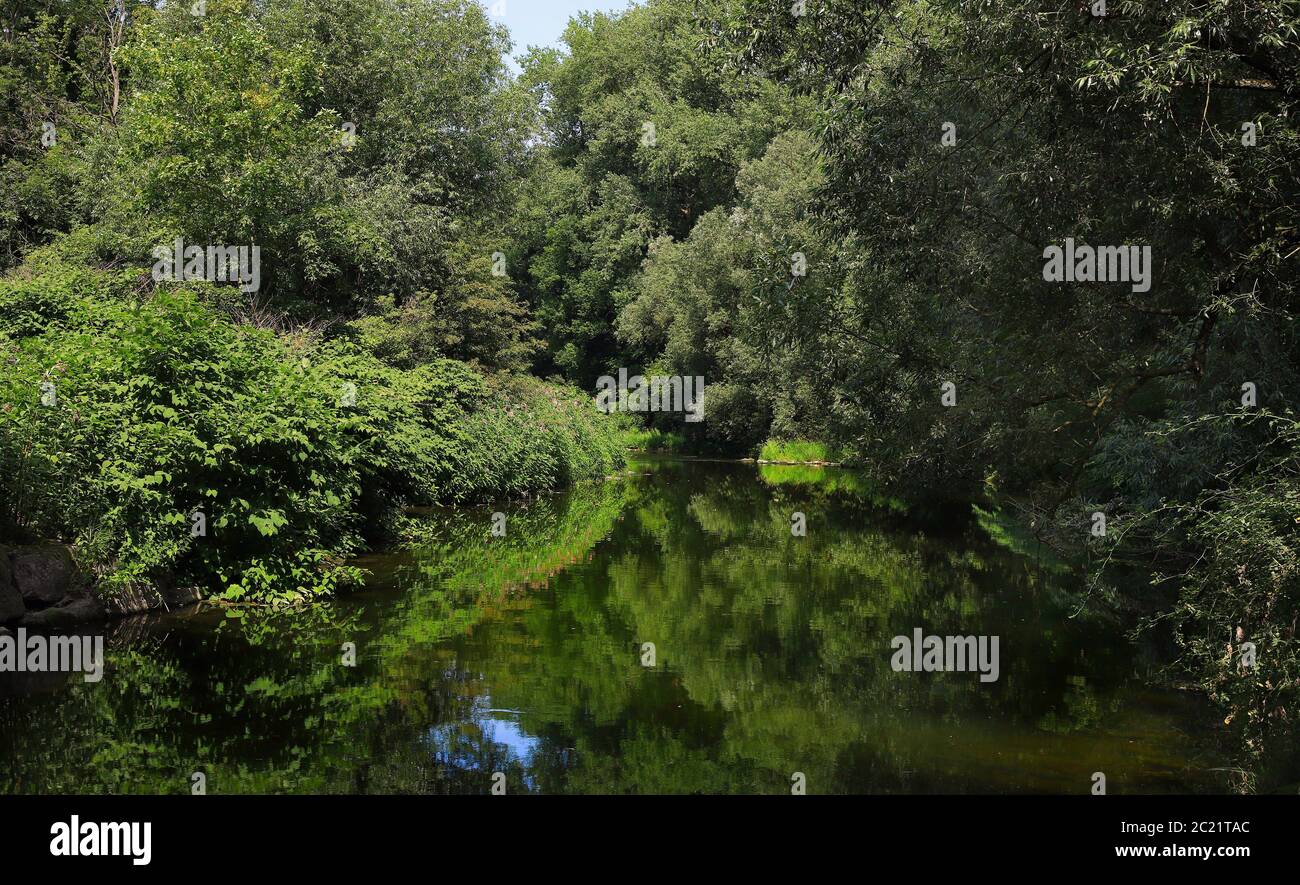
x: 157, y: 408
x: 530, y: 435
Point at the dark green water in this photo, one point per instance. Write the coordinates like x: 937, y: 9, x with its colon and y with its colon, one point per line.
x: 523, y: 655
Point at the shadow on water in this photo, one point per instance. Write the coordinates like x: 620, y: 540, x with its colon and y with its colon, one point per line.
x: 524, y: 655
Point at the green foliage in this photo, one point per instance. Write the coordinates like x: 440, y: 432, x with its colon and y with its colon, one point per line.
x: 534, y: 436
x: 1073, y: 397
x: 377, y: 276
x: 56, y: 68
x: 236, y: 128
x: 695, y: 187
x: 644, y: 135
x: 797, y: 451
x: 1243, y: 586
x: 162, y: 407
x: 1247, y: 589
x: 749, y: 301
x: 1066, y: 127
x: 477, y: 319
x: 654, y: 440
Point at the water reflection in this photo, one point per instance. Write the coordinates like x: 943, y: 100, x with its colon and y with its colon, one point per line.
x: 523, y: 655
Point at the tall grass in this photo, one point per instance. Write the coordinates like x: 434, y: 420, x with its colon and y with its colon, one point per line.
x: 797, y: 451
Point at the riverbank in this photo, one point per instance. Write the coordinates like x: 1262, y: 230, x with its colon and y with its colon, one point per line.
x: 42, y: 588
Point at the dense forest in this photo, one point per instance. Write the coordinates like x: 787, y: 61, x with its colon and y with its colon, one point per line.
x: 842, y: 215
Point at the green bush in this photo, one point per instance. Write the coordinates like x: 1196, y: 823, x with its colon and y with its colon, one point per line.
x: 530, y: 435
x: 157, y: 406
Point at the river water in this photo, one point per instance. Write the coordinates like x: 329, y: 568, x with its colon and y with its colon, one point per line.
x: 663, y: 632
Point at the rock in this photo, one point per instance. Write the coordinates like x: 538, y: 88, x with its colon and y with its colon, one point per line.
x: 163, y: 593
x: 11, y: 601
x: 11, y: 605
x: 70, y: 613
x: 45, y: 576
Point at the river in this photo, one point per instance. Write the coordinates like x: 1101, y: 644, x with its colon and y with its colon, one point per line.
x: 663, y: 632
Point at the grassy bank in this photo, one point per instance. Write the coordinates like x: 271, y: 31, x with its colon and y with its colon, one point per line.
x: 799, y: 451
x: 653, y: 440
